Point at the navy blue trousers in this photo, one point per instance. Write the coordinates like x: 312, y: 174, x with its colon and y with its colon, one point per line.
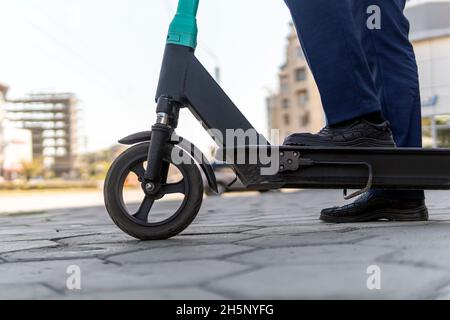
x: 360, y: 70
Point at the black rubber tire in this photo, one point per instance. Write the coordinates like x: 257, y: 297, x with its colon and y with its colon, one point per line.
x: 156, y: 231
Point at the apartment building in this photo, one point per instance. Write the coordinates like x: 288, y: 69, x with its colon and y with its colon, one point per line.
x: 430, y: 35
x: 15, y: 144
x: 52, y: 120
x: 296, y: 107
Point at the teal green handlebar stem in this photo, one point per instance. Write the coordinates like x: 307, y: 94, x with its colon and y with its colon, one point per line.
x: 183, y: 29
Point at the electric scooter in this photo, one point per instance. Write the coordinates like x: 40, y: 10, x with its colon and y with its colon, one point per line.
x: 185, y: 83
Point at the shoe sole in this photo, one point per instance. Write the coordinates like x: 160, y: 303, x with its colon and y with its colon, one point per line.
x: 361, y: 142
x: 400, y: 215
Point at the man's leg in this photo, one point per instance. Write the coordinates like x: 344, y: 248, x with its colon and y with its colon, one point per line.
x: 393, y: 64
x: 340, y: 49
x: 337, y: 59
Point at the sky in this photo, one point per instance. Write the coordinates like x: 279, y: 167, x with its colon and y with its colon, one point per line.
x: 108, y: 52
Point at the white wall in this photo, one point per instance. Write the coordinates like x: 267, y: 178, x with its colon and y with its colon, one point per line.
x: 18, y: 148
x: 1, y: 132
x: 433, y: 57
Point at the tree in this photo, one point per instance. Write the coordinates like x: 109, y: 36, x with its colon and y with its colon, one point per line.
x: 33, y: 169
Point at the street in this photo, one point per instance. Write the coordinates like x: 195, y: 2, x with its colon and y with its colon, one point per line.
x: 242, y: 246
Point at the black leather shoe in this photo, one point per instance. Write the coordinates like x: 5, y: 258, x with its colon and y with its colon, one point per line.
x: 360, y: 133
x: 370, y: 207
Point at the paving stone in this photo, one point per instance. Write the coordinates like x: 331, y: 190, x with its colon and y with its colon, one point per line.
x: 384, y: 224
x: 331, y: 281
x: 63, y: 253
x: 306, y: 239
x: 26, y: 291
x: 443, y: 293
x: 98, y: 276
x: 203, y: 228
x: 429, y: 257
x: 47, y: 272
x: 157, y: 275
x: 99, y: 238
x: 46, y: 235
x: 205, y: 239
x: 312, y: 255
x: 21, y: 231
x: 25, y: 245
x: 301, y: 228
x: 179, y: 253
x: 188, y: 293
x: 426, y: 235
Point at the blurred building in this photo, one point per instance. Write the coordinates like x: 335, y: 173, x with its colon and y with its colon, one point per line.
x: 297, y: 106
x: 15, y: 144
x: 16, y: 152
x: 3, y: 91
x: 52, y: 120
x: 430, y: 34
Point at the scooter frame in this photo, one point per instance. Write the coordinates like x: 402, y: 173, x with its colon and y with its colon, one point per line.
x: 185, y: 83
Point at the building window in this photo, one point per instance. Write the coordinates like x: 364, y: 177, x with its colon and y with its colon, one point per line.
x: 305, y: 119
x: 302, y: 98
x: 286, y: 104
x: 284, y: 84
x: 287, y: 120
x: 300, y: 74
x: 269, y: 103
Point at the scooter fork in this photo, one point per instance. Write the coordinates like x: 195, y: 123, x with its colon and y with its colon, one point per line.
x: 157, y: 170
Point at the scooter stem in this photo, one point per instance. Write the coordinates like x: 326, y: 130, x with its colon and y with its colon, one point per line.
x: 183, y: 29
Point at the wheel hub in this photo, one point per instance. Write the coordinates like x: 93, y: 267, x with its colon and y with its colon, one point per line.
x: 150, y: 188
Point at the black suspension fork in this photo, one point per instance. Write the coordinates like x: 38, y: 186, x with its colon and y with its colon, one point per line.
x: 167, y: 120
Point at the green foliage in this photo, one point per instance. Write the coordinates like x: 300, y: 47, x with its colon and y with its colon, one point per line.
x: 33, y: 169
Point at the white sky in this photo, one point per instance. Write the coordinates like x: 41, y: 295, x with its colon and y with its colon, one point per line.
x: 109, y: 52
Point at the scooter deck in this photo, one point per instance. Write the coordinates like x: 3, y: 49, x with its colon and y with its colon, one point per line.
x: 346, y: 168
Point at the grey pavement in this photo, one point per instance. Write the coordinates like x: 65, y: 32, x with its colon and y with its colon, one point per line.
x: 247, y: 246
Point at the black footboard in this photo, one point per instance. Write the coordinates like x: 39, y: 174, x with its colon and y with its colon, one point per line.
x: 336, y: 168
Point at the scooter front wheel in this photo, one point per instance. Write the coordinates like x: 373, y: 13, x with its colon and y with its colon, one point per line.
x: 145, y: 221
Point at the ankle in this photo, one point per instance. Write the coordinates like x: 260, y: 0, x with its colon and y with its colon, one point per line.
x: 374, y: 117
